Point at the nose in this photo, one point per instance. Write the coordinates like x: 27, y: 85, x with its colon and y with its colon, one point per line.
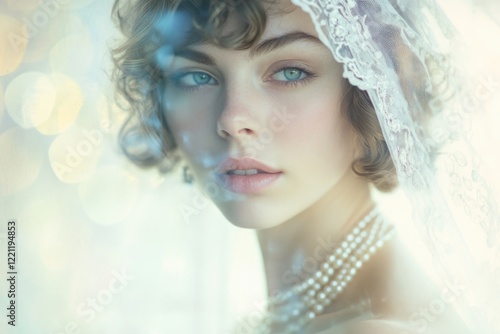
x: 241, y: 115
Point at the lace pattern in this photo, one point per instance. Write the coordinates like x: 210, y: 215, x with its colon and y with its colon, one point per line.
x: 390, y: 49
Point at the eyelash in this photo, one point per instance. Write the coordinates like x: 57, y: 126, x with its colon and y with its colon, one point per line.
x: 294, y: 83
x: 176, y: 78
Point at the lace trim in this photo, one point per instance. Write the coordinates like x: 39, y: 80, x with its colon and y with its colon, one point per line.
x: 353, y: 30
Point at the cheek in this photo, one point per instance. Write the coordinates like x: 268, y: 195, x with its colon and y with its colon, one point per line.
x: 319, y: 140
x: 319, y: 124
x: 193, y: 127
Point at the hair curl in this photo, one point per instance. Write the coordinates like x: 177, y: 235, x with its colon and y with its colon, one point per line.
x: 145, y: 136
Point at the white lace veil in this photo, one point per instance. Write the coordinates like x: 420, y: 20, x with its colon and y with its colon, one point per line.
x: 400, y: 52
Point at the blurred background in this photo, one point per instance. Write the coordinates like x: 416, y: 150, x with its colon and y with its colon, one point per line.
x: 103, y: 247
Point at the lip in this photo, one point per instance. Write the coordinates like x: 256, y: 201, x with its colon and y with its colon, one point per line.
x: 246, y: 184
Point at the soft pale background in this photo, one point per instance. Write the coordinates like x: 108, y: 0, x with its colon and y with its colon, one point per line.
x: 85, y: 213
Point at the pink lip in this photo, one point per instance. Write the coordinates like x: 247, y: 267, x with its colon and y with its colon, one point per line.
x: 246, y: 184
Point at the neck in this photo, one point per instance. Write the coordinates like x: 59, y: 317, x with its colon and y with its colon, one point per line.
x: 292, y: 251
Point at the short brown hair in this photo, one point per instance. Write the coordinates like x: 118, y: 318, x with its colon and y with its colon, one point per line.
x: 145, y: 137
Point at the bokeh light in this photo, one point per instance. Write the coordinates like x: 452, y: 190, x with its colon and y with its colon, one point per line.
x: 76, y: 5
x: 110, y: 196
x: 43, y: 37
x: 72, y: 55
x: 67, y: 105
x: 97, y: 112
x: 12, y: 44
x: 75, y: 153
x: 30, y: 99
x: 21, y: 160
x: 23, y: 5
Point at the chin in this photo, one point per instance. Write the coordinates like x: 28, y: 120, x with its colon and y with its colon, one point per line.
x: 247, y: 217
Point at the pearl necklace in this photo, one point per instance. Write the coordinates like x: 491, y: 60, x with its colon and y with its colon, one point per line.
x: 299, y: 305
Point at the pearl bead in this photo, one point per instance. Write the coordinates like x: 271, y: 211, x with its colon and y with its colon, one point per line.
x: 318, y: 308
x: 324, y: 285
x: 334, y: 294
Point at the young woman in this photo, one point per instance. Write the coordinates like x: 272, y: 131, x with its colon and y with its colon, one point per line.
x: 287, y: 113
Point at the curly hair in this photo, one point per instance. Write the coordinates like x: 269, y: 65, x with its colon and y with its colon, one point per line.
x: 145, y: 136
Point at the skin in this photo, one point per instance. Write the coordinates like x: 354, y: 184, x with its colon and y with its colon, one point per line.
x: 233, y: 99
x: 249, y: 93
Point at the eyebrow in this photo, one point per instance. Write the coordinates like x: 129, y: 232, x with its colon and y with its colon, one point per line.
x: 196, y: 56
x: 265, y: 46
x: 275, y: 43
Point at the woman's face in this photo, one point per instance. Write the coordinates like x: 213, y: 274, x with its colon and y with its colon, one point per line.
x: 262, y: 128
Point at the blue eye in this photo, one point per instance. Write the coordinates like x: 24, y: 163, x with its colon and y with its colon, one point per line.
x: 290, y: 74
x: 194, y: 79
x: 293, y: 74
x: 201, y: 78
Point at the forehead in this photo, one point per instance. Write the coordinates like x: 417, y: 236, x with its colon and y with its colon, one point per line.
x: 290, y: 20
x: 282, y: 16
x: 284, y: 23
